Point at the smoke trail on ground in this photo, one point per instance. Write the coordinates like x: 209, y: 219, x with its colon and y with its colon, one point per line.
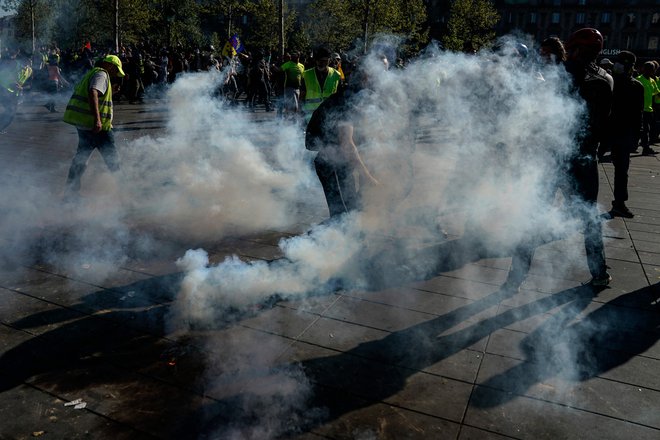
x: 471, y: 145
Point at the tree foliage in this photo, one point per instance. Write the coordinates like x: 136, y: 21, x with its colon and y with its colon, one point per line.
x: 470, y: 21
x: 340, y: 23
x: 335, y: 23
x: 264, y: 31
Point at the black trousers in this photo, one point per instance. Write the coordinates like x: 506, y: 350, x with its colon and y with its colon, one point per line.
x: 582, y: 197
x: 339, y: 187
x: 623, y: 143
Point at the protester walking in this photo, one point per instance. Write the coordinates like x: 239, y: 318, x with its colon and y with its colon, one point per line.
x: 90, y: 111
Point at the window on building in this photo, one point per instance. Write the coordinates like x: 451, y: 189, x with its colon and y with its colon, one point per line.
x: 630, y: 18
x: 582, y: 2
x: 606, y: 18
x: 556, y: 2
x: 580, y: 18
x: 653, y: 43
x: 555, y: 18
x: 510, y: 17
x: 655, y: 18
x: 532, y: 17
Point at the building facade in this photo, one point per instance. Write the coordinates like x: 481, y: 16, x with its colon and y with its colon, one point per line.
x: 625, y: 24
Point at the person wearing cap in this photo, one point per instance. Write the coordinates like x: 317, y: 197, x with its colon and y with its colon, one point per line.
x: 595, y: 86
x: 624, y: 123
x: 90, y: 111
x: 319, y: 82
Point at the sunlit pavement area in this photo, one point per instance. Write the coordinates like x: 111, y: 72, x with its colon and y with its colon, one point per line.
x: 451, y: 357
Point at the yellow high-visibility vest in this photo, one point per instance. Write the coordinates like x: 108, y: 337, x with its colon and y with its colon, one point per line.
x: 79, y: 112
x: 314, y: 95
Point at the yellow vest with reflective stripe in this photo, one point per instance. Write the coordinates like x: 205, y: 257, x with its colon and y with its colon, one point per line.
x: 79, y: 112
x: 10, y: 76
x: 314, y: 95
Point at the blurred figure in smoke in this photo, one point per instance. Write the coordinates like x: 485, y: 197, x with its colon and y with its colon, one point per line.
x: 331, y: 132
x: 319, y: 82
x: 625, y: 120
x: 90, y: 111
x: 552, y: 50
x: 14, y: 72
x: 55, y: 81
x: 135, y: 87
x: 595, y: 87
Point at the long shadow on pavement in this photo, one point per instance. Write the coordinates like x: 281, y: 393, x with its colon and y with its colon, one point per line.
x: 577, y: 351
x: 374, y: 371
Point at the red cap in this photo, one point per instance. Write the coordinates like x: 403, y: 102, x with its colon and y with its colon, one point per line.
x: 586, y: 37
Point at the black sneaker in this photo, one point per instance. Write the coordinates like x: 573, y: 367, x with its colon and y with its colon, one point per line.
x: 599, y: 281
x: 648, y: 152
x: 621, y: 210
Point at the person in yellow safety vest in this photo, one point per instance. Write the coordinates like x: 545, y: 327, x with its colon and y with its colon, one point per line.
x: 650, y: 90
x: 90, y: 111
x: 13, y: 75
x: 319, y: 82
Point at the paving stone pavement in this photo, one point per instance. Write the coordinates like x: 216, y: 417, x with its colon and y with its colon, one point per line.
x: 451, y: 357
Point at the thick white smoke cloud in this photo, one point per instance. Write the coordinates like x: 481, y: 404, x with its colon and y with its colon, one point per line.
x: 211, y: 173
x: 215, y: 170
x: 468, y: 144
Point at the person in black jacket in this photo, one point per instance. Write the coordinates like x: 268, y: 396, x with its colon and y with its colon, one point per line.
x: 331, y: 132
x: 625, y: 120
x: 595, y: 86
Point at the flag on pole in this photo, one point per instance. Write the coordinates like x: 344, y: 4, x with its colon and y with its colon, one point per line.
x: 236, y: 43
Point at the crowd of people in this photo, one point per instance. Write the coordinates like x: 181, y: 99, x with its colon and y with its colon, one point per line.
x: 622, y: 98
